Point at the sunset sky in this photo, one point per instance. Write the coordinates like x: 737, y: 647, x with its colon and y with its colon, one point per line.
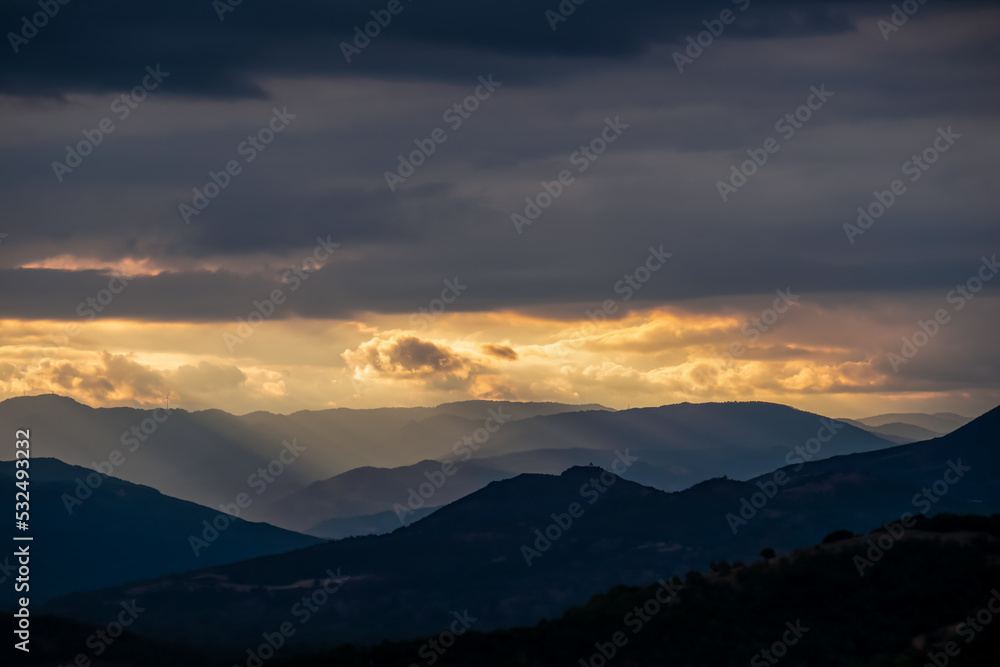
x: 429, y: 291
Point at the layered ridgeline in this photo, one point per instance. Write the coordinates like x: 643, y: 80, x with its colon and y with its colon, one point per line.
x: 932, y: 600
x: 676, y: 446
x: 210, y: 456
x: 91, y: 531
x: 529, y: 547
x: 905, y: 427
x: 370, y: 501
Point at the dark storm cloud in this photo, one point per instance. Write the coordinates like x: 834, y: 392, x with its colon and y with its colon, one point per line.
x: 324, y: 176
x: 87, y: 49
x: 348, y: 288
x: 500, y: 351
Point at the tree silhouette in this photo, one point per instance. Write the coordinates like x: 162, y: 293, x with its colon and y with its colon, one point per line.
x: 838, y: 536
x: 767, y: 554
x: 722, y: 567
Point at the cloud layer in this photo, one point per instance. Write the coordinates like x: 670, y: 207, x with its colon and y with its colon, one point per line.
x: 108, y: 243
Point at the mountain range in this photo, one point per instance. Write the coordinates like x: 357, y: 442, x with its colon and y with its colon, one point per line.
x: 909, y: 426
x: 113, y: 531
x: 529, y: 547
x: 312, y: 467
x: 676, y: 446
x: 208, y: 456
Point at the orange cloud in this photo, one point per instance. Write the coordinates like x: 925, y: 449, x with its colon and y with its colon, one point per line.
x: 410, y: 358
x: 826, y: 359
x: 499, y: 351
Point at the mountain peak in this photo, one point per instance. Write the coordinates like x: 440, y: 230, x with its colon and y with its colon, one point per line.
x: 44, y: 399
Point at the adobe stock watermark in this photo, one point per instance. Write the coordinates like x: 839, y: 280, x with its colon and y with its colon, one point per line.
x: 381, y: 18
x: 786, y: 126
x: 87, y: 309
x: 714, y: 28
x: 223, y: 7
x: 131, y: 440
x: 753, y: 328
x: 455, y: 116
x: 635, y: 620
x: 592, y: 490
x: 96, y: 303
x: 582, y: 158
x: 562, y: 12
x: 463, y: 449
x: 779, y: 649
x: 631, y: 283
x: 432, y: 650
x: 901, y: 13
x: 749, y: 508
x: 101, y: 640
x: 260, y: 480
x: 915, y: 167
x: 420, y: 320
x: 264, y: 309
x: 761, y: 324
x: 923, y: 502
x: 31, y: 25
x: 249, y: 149
x: 122, y: 107
x: 449, y: 294
x: 927, y: 329
x: 968, y: 630
x: 323, y: 590
x: 627, y: 287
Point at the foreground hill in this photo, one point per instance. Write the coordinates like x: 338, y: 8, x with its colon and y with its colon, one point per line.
x: 87, y: 538
x: 904, y: 610
x: 483, y: 552
x: 370, y: 501
x: 976, y: 445
x: 921, y: 594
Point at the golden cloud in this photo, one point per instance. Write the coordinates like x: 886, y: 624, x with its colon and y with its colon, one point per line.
x: 499, y: 351
x: 827, y: 360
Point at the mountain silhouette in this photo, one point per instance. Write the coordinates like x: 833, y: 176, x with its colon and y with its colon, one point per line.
x: 483, y: 553
x: 206, y: 456
x: 91, y: 531
x: 677, y: 446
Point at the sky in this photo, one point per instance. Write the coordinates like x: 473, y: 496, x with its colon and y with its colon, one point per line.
x: 260, y: 207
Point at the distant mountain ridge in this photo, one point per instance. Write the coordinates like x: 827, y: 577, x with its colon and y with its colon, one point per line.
x: 677, y: 446
x: 207, y: 456
x: 686, y: 442
x: 511, y: 552
x: 910, y: 426
x: 940, y: 422
x: 369, y: 491
x: 977, y: 445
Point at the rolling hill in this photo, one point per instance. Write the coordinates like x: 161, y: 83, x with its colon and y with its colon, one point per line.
x: 207, y: 456
x: 677, y: 446
x: 102, y: 531
x: 483, y: 553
